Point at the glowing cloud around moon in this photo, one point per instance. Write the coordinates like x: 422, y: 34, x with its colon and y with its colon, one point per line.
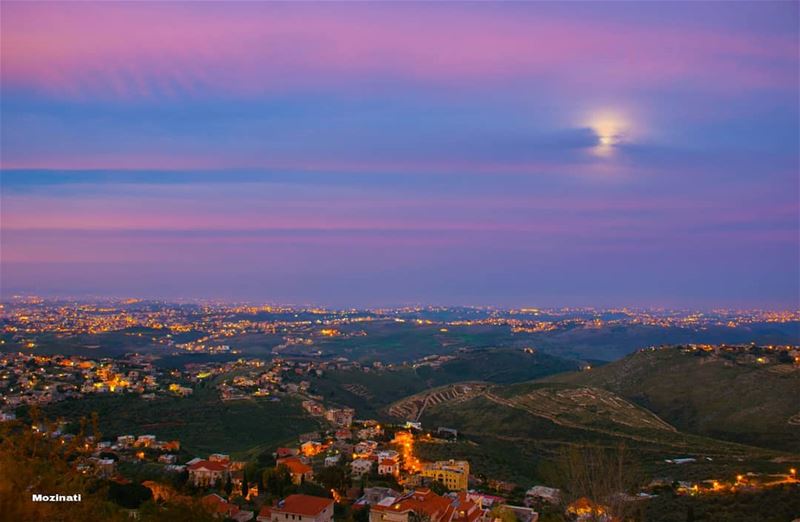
x: 611, y: 130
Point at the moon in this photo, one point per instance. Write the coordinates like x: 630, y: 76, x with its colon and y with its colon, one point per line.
x: 611, y: 130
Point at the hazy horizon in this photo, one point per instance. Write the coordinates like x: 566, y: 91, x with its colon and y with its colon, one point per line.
x: 265, y: 302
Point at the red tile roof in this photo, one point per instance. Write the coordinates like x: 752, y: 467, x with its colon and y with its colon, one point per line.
x: 217, y: 504
x: 286, y: 452
x: 209, y: 465
x: 295, y: 465
x: 423, y: 500
x: 466, y: 509
x: 307, y: 505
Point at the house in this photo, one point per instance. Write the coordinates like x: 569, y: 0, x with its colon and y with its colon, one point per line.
x: 501, y: 485
x: 299, y: 508
x: 467, y: 508
x: 126, y: 441
x: 145, y: 441
x: 219, y: 457
x: 374, y: 495
x: 313, y: 408
x: 299, y: 470
x: 340, y: 417
x: 365, y: 448
x: 585, y: 509
x: 388, y: 467
x: 265, y: 515
x: 485, y: 500
x: 103, y: 467
x: 360, y: 467
x: 311, y: 448
x: 221, y: 508
x: 218, y: 506
x: 387, y: 454
x: 333, y: 460
x: 343, y: 434
x: 183, y: 391
x: 454, y: 474
x: 207, y: 472
x: 173, y: 445
x: 282, y: 453
x: 543, y: 494
x: 167, y: 459
x: 420, y: 503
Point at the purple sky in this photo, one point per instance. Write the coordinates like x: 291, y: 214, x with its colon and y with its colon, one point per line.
x: 373, y: 154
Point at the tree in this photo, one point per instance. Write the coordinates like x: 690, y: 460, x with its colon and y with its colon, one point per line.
x: 265, y: 459
x: 277, y: 480
x: 32, y: 462
x: 129, y: 496
x: 228, y: 486
x: 174, y: 512
x: 244, y: 483
x: 601, y: 475
x: 179, y: 480
x: 260, y: 483
x: 315, y: 490
x: 503, y: 514
x: 342, y: 513
x: 438, y: 487
x: 361, y: 514
x: 334, y: 477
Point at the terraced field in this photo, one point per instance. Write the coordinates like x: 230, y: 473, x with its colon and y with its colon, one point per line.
x: 358, y: 390
x: 581, y: 407
x: 411, y: 408
x: 723, y: 396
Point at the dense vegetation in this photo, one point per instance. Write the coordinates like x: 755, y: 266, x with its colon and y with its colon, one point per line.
x: 370, y: 392
x: 202, y: 422
x: 33, y: 463
x: 780, y: 504
x: 716, y: 396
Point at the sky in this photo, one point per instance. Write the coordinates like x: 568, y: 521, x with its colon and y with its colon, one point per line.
x: 370, y: 154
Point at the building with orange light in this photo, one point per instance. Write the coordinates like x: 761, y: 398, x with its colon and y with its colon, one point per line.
x: 389, y: 467
x: 299, y: 470
x: 423, y: 503
x: 207, y: 473
x: 298, y: 508
x: 454, y: 474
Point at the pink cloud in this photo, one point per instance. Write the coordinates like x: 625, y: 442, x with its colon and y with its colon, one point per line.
x: 148, y: 50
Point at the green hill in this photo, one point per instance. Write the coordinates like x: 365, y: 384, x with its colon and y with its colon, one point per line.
x: 729, y: 396
x: 520, y: 431
x: 371, y: 392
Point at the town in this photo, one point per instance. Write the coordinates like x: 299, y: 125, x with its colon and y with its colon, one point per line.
x: 29, y: 322
x: 353, y: 470
x: 349, y: 468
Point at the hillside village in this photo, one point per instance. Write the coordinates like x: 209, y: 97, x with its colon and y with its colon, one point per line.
x: 350, y: 468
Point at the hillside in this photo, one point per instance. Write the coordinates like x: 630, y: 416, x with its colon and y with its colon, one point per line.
x: 202, y: 422
x: 726, y: 396
x: 371, y: 392
x: 612, y: 342
x: 520, y: 431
